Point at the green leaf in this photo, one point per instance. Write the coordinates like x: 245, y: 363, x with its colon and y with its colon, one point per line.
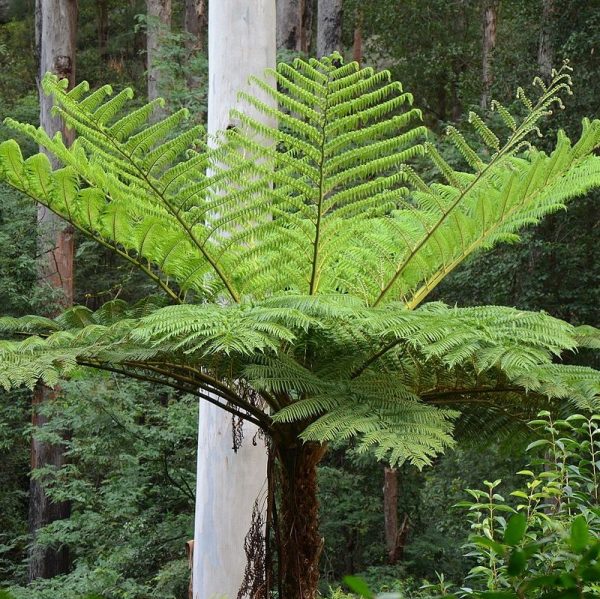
x: 515, y: 529
x: 537, y: 443
x: 517, y: 562
x: 580, y: 534
x: 489, y: 543
x: 359, y: 586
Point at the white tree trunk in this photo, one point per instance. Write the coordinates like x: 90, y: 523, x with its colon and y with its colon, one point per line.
x: 241, y: 42
x: 329, y: 27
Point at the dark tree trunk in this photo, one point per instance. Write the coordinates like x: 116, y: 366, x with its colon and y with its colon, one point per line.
x: 390, y: 511
x: 395, y: 535
x: 545, y: 49
x: 102, y: 10
x: 194, y: 23
x: 357, y: 47
x: 329, y: 27
x: 300, y: 542
x: 458, y: 63
x: 56, y: 28
x: 45, y: 562
x: 159, y: 22
x: 294, y: 25
x: 490, y: 19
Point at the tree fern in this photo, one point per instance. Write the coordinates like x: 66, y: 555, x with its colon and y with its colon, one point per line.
x: 294, y: 259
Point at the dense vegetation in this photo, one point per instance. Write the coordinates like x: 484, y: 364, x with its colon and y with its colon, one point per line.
x: 131, y: 448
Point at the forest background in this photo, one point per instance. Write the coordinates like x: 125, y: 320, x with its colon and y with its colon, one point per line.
x: 129, y: 477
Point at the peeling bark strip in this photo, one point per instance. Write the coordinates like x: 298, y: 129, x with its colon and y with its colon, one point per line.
x: 56, y: 29
x: 490, y: 19
x: 329, y: 27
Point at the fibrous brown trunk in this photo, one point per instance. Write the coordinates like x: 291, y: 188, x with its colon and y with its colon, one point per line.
x: 490, y: 19
x: 545, y: 49
x: 300, y: 542
x: 329, y: 27
x: 56, y: 28
x: 159, y: 23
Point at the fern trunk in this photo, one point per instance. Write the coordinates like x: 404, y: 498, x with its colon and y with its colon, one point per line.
x: 300, y: 541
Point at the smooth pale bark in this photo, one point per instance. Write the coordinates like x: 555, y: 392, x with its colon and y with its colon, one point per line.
x: 329, y: 27
x: 159, y: 22
x: 241, y: 42
x: 56, y: 28
x: 490, y: 20
x: 545, y: 49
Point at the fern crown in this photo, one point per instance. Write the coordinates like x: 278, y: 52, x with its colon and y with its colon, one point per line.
x: 297, y: 256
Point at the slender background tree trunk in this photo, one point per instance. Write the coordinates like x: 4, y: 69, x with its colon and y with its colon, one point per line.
x: 357, y: 46
x: 329, y: 27
x: 294, y: 25
x: 194, y: 23
x: 56, y: 29
x: 102, y: 12
x: 490, y: 19
x: 545, y: 49
x: 159, y: 23
x: 241, y: 42
x: 395, y: 532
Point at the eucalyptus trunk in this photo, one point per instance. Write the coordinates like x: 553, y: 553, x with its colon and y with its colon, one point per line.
x: 357, y: 45
x: 158, y: 24
x: 294, y: 25
x: 56, y: 29
x: 545, y: 48
x: 490, y: 20
x: 194, y: 23
x: 241, y: 43
x: 329, y: 27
